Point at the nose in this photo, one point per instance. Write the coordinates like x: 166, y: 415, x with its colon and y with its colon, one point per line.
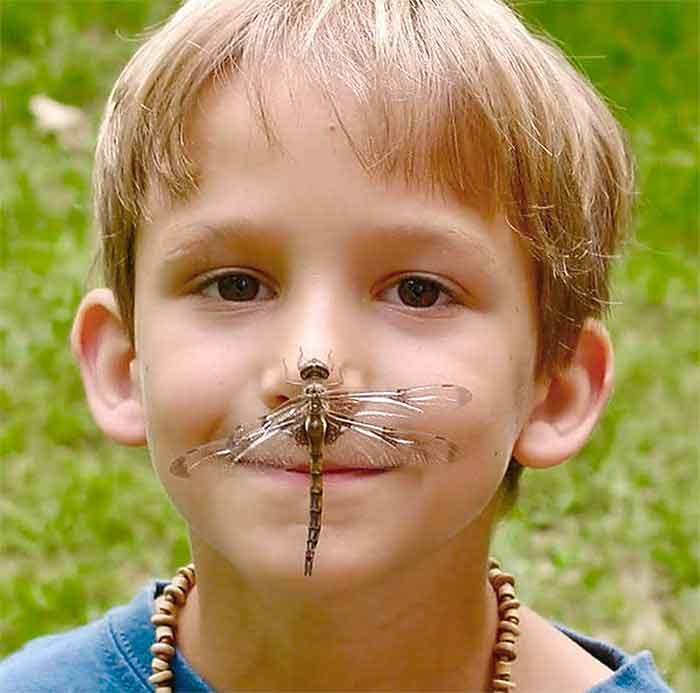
x: 318, y: 325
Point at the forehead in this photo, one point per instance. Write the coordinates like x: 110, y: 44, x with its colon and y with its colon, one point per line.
x: 428, y: 143
x: 259, y: 128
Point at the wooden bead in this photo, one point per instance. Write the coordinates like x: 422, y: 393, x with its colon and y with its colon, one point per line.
x: 165, y: 634
x: 505, y: 650
x: 160, y: 677
x: 164, y: 620
x: 176, y: 593
x: 165, y: 606
x: 503, y: 579
x: 506, y: 591
x: 510, y: 627
x: 187, y: 571
x: 506, y: 605
x: 502, y: 669
x: 158, y: 664
x: 182, y: 583
x: 510, y: 615
x: 163, y: 650
x: 493, y: 574
x: 505, y: 636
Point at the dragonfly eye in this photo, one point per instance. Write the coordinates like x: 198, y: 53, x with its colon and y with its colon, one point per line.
x: 315, y: 370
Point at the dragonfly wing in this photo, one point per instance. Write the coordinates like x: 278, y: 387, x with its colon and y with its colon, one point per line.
x: 276, y: 438
x: 396, y: 404
x: 289, y: 408
x: 268, y: 438
x: 186, y: 463
x: 365, y: 445
x: 271, y: 446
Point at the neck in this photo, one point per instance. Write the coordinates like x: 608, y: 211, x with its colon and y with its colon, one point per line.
x: 428, y: 628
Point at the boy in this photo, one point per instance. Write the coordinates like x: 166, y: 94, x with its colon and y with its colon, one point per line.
x: 434, y: 195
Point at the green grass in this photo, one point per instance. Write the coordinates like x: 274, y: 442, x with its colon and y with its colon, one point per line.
x: 607, y: 543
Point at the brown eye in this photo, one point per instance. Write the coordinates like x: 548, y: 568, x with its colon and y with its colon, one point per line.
x: 419, y: 292
x: 233, y: 287
x: 238, y: 287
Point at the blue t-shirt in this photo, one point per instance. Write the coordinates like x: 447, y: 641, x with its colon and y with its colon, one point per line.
x: 113, y: 655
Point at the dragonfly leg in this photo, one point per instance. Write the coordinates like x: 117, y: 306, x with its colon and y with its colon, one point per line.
x: 315, y: 509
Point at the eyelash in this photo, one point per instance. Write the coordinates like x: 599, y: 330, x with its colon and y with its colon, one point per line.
x: 211, y: 280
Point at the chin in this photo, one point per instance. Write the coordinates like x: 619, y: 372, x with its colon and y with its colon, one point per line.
x: 276, y: 562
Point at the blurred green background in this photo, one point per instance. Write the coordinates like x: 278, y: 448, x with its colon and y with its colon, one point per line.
x: 607, y: 544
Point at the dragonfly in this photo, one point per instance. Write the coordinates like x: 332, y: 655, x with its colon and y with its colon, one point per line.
x: 362, y: 429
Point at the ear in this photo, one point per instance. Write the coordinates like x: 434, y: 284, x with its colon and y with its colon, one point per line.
x: 105, y: 354
x: 569, y: 403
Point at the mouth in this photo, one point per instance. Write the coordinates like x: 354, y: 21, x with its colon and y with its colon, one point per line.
x: 335, y: 469
x: 339, y: 473
x: 332, y: 472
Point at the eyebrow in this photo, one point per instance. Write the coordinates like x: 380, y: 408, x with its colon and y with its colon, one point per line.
x: 204, y: 236
x: 198, y: 236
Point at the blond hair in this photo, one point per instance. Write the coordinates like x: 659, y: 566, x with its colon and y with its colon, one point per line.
x: 455, y: 94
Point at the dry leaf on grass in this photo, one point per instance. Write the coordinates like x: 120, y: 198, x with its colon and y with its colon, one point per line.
x: 68, y: 123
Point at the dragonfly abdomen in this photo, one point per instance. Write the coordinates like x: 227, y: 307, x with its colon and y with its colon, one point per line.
x: 315, y: 510
x: 315, y: 426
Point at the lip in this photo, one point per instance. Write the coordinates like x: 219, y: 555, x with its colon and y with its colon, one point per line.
x: 332, y: 474
x: 334, y: 469
x: 340, y: 471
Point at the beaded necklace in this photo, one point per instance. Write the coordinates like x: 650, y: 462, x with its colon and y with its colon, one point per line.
x: 175, y: 593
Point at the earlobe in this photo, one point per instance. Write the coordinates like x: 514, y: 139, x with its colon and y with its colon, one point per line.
x: 569, y: 403
x: 103, y: 350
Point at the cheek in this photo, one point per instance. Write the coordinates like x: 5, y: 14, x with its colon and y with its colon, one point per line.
x: 486, y: 441
x: 489, y: 428
x: 454, y: 496
x: 187, y: 393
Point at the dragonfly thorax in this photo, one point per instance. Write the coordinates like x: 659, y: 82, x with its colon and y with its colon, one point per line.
x: 314, y: 389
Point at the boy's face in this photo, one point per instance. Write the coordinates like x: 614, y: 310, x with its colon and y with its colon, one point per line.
x: 297, y: 247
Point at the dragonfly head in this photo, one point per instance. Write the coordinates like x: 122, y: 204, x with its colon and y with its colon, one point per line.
x: 314, y: 369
